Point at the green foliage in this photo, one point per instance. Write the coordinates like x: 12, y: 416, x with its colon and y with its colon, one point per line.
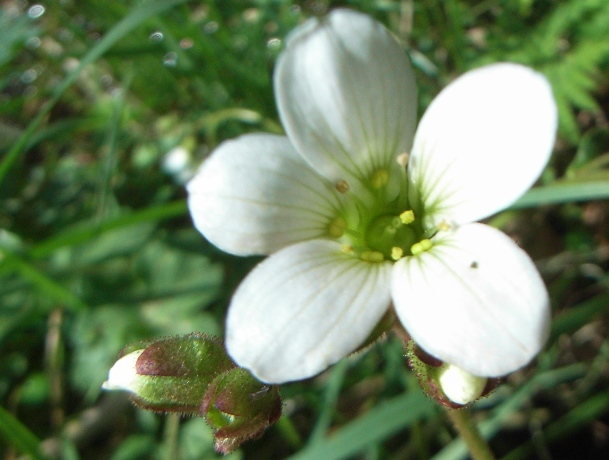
x: 571, y: 46
x: 15, y: 33
x: 97, y: 250
x: 567, y: 41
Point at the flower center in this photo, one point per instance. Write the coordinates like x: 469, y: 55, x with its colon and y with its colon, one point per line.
x: 387, y: 232
x: 386, y: 229
x: 395, y: 236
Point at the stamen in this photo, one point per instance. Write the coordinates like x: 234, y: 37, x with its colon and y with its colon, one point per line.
x: 347, y: 249
x: 379, y: 178
x: 421, y: 246
x: 396, y: 253
x: 372, y: 256
x: 342, y: 186
x: 337, y: 227
x: 444, y: 226
x: 407, y: 217
x: 402, y: 159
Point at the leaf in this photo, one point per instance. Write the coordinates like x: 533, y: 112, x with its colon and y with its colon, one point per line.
x: 376, y: 425
x: 18, y: 435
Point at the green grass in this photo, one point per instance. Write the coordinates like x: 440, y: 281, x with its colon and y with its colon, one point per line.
x: 97, y: 250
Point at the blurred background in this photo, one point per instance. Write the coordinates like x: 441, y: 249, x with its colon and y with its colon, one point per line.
x: 106, y: 110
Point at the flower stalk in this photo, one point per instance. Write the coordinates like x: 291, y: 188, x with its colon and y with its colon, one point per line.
x: 424, y: 367
x: 469, y: 433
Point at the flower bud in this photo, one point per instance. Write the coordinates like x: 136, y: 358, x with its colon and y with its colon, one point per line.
x: 239, y: 408
x: 171, y: 374
x: 192, y: 374
x: 448, y: 384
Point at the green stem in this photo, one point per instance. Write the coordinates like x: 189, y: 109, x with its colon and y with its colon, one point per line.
x: 461, y: 419
x: 172, y: 431
x: 476, y: 444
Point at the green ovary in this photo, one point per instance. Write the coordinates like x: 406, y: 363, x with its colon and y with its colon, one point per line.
x: 386, y: 229
x: 386, y: 232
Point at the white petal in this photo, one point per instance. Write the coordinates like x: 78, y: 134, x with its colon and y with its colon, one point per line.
x: 122, y: 375
x: 255, y: 195
x: 303, y: 309
x: 475, y: 300
x: 346, y: 96
x: 483, y: 142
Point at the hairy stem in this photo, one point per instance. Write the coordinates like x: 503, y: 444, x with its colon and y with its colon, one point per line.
x: 468, y: 431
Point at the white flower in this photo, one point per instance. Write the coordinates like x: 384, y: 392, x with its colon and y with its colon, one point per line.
x: 357, y: 212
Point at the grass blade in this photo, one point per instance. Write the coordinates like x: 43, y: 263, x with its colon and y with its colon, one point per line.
x: 563, y: 193
x: 18, y: 435
x: 89, y: 231
x: 379, y: 423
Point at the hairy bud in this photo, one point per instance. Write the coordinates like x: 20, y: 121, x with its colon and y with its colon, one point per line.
x: 192, y: 374
x: 239, y: 408
x: 449, y: 385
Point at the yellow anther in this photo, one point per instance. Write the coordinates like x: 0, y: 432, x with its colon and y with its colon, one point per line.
x: 337, y: 227
x: 347, y: 249
x: 407, y: 217
x: 421, y: 246
x: 342, y: 186
x: 402, y: 159
x: 372, y: 256
x: 379, y: 178
x: 396, y: 253
x: 444, y: 226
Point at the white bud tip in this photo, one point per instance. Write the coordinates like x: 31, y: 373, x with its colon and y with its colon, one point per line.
x: 122, y: 376
x: 460, y: 386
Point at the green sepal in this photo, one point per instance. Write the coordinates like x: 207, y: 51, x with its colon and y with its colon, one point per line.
x: 427, y: 369
x: 173, y: 373
x: 238, y: 407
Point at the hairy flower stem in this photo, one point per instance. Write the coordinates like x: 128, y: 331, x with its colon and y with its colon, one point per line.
x: 465, y: 426
x: 461, y: 418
